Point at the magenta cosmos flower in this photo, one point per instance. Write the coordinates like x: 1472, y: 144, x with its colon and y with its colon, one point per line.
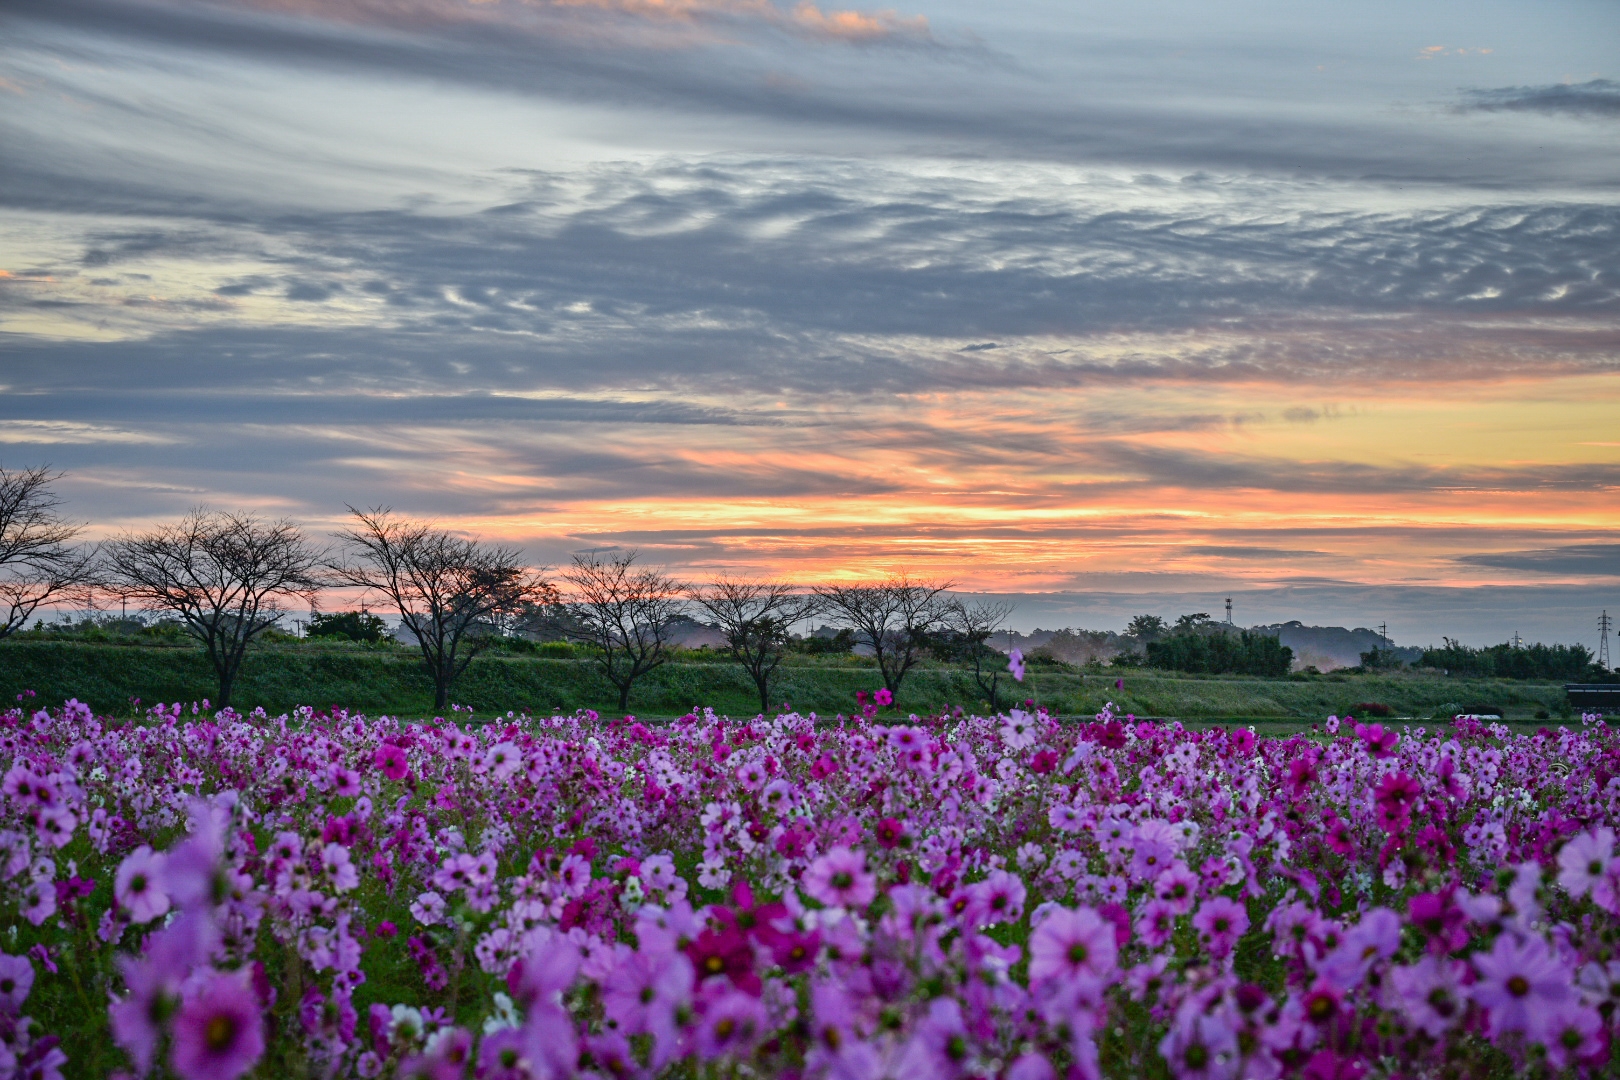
x: 218, y: 1034
x: 390, y: 760
x: 840, y: 879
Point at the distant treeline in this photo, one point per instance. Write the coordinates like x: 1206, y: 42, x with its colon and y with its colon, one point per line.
x: 1221, y: 653
x: 1573, y: 663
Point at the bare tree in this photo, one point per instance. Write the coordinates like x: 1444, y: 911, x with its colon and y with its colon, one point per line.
x: 623, y: 611
x: 894, y: 619
x: 756, y: 618
x: 221, y: 574
x: 453, y: 594
x: 968, y: 627
x: 38, y: 561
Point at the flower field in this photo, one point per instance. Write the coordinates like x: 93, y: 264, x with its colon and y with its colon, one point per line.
x: 215, y: 896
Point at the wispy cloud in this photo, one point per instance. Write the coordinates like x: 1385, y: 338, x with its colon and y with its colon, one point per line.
x: 1596, y: 98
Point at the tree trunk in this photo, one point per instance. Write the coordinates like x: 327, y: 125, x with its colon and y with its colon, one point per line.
x: 227, y: 681
x: 624, y: 697
x: 441, y: 691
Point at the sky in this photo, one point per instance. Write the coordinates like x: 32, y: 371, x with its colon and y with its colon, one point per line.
x: 1107, y: 308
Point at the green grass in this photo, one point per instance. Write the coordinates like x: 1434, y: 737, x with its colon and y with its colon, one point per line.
x: 388, y: 679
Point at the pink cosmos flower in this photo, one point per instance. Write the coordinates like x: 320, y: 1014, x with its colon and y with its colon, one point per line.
x: 503, y: 760
x: 138, y: 886
x: 218, y: 1033
x: 1070, y: 943
x: 1519, y: 983
x: 1015, y: 664
x: 883, y: 697
x: 1221, y: 921
x: 1584, y: 860
x: 840, y: 879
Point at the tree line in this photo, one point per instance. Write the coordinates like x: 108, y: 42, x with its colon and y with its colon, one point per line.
x: 225, y: 576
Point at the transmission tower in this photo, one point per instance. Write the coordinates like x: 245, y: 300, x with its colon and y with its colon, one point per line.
x: 1604, y: 626
x: 1228, y: 611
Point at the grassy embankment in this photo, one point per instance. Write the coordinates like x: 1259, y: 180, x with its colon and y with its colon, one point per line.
x: 390, y: 679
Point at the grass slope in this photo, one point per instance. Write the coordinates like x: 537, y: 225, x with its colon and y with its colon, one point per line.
x: 391, y: 680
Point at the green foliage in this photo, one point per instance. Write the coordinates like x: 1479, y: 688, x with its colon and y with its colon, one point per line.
x: 1504, y: 661
x: 348, y: 625
x: 836, y: 645
x: 1381, y: 659
x: 1242, y: 653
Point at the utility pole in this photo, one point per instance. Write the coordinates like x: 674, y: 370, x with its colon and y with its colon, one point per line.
x: 1383, y: 634
x: 1604, y: 626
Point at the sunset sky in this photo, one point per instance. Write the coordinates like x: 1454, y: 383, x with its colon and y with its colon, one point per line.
x: 1108, y: 307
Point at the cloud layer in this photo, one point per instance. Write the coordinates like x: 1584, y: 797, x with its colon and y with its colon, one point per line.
x: 1042, y: 305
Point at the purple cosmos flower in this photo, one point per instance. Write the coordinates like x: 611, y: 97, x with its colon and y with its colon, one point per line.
x: 218, y: 1034
x: 840, y: 879
x: 1430, y: 993
x: 730, y: 1026
x: 16, y: 980
x: 1015, y: 664
x: 1071, y: 943
x: 140, y: 1018
x: 1221, y: 921
x: 1199, y: 1046
x: 1520, y: 981
x: 644, y: 991
x: 1573, y: 1035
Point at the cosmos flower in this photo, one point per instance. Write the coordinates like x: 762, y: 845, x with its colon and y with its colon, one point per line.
x: 1070, y: 943
x: 218, y: 1034
x: 1520, y: 983
x: 840, y: 879
x: 138, y: 886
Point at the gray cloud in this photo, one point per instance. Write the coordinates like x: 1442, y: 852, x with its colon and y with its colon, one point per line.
x: 1597, y: 98
x: 1583, y: 560
x: 963, y: 101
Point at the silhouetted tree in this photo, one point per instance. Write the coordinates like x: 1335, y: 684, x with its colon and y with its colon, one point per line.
x: 220, y: 574
x: 969, y: 626
x: 623, y: 611
x: 756, y: 618
x: 894, y: 619
x: 39, y: 563
x: 452, y: 593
